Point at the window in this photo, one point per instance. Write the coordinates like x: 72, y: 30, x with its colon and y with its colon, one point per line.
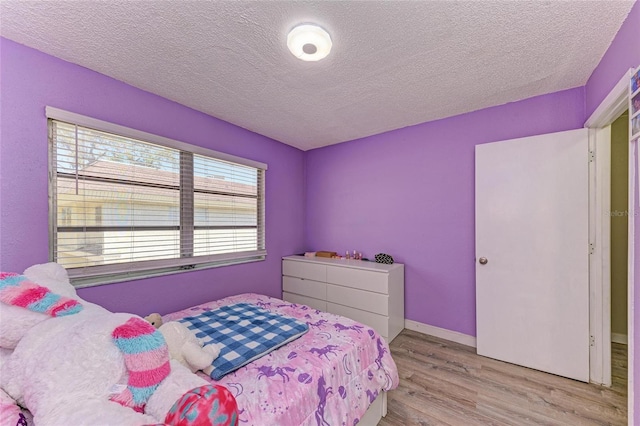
x: 65, y: 216
x: 98, y: 215
x: 128, y: 204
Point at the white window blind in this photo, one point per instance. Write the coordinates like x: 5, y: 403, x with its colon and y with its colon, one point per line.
x: 125, y: 207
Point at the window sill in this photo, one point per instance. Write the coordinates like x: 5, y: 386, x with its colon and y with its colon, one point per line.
x: 93, y: 281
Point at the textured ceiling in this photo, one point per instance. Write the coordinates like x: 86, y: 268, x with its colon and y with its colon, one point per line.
x: 393, y: 64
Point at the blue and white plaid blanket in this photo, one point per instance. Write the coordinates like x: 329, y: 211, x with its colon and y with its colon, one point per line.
x: 243, y: 332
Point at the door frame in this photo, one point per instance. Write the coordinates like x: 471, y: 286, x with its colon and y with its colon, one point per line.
x: 616, y: 102
x: 599, y: 255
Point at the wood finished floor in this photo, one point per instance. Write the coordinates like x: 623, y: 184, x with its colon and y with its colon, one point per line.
x: 445, y: 383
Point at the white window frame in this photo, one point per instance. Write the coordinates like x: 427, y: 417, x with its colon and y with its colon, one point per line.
x: 103, y: 274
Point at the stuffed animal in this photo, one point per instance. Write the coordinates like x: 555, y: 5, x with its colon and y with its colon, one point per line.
x: 185, y: 348
x: 55, y: 278
x: 71, y: 362
x: 154, y: 319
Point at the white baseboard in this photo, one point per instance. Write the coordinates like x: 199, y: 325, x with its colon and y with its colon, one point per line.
x: 619, y: 338
x: 442, y: 333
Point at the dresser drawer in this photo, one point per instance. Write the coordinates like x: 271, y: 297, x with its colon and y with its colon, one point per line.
x: 367, y: 301
x: 304, y: 287
x: 304, y: 300
x: 310, y: 271
x: 378, y: 322
x: 357, y: 278
x: 367, y: 292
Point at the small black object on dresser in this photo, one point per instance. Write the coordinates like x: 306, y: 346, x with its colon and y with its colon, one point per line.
x: 384, y: 258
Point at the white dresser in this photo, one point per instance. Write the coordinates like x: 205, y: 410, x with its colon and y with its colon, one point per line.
x: 368, y: 292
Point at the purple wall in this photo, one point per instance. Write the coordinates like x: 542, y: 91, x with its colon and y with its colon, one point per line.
x: 32, y: 80
x: 410, y: 193
x: 623, y: 53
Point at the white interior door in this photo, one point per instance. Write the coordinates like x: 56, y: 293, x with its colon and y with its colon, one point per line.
x: 532, y: 227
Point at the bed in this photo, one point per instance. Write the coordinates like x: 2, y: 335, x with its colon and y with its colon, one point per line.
x: 335, y: 374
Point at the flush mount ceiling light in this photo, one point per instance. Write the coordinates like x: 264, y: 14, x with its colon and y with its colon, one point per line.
x: 309, y: 42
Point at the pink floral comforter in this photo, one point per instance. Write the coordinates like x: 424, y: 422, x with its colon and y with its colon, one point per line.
x: 329, y: 376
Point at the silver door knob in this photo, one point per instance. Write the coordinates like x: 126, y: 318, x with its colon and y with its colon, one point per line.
x: 483, y: 260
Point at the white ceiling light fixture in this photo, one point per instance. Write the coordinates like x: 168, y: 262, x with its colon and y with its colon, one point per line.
x: 309, y: 42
